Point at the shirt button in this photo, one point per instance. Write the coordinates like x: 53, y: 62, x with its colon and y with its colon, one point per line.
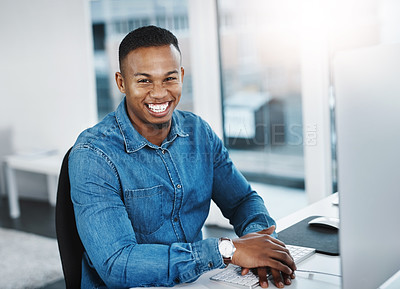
x: 175, y: 219
x: 163, y: 151
x: 210, y: 264
x: 178, y: 186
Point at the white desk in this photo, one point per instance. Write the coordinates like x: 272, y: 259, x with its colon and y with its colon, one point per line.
x: 47, y: 164
x: 317, y: 262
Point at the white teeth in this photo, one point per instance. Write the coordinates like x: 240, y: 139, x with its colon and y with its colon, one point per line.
x: 158, y: 107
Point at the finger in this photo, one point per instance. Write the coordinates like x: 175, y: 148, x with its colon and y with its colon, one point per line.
x: 289, y: 260
x: 269, y: 230
x: 262, y: 277
x: 245, y: 271
x: 277, y: 277
x: 283, y: 257
x: 278, y: 265
x: 286, y: 279
x: 292, y: 264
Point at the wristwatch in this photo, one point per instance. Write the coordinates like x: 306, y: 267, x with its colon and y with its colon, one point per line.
x: 226, y: 248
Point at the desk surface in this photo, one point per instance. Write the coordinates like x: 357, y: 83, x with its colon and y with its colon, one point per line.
x: 324, y: 207
x: 317, y: 262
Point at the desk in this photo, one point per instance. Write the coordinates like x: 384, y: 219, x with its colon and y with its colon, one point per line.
x: 317, y: 262
x: 47, y: 164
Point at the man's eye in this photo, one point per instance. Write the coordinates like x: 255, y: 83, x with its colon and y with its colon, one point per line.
x: 170, y: 78
x: 144, y: 81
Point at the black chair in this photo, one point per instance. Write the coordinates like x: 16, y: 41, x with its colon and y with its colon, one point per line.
x: 69, y: 243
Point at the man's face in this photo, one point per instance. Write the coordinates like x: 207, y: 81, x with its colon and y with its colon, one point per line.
x: 151, y: 79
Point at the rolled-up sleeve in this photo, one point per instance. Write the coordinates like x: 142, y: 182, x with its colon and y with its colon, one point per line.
x: 108, y: 236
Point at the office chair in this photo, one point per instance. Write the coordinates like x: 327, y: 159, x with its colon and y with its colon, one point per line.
x: 69, y: 243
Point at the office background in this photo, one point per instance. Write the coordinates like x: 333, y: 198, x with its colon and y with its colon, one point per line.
x: 59, y: 57
x: 260, y: 72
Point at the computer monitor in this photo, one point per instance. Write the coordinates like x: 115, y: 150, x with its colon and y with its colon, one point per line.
x: 367, y: 90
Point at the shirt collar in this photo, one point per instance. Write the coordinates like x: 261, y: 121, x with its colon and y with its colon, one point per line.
x: 134, y: 141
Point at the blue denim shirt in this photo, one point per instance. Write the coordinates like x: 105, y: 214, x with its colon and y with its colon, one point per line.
x: 140, y: 207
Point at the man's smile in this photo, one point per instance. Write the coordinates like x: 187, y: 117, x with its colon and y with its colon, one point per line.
x: 158, y: 108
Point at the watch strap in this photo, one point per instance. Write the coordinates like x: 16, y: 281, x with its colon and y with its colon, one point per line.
x: 227, y: 261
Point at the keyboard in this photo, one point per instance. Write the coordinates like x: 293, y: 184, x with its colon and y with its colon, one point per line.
x: 232, y: 274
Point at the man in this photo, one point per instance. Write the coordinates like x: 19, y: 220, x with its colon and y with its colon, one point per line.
x: 143, y: 178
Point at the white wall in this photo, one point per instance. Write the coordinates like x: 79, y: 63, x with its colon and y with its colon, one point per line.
x: 389, y: 17
x: 47, y: 84
x: 46, y: 75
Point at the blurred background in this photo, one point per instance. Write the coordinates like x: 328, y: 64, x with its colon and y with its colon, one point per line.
x: 259, y: 71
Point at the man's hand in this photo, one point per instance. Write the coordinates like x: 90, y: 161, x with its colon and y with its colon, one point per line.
x: 260, y: 250
x: 280, y: 279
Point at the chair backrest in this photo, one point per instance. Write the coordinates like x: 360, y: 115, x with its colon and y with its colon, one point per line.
x: 69, y: 243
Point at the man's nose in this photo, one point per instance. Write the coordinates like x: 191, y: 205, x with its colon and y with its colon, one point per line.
x: 158, y: 91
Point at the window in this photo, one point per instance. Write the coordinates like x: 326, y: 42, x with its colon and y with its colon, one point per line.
x: 261, y: 78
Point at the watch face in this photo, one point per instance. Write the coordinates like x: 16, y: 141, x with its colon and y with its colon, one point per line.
x: 226, y: 248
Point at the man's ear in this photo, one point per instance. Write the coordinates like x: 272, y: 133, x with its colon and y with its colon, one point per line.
x: 182, y: 73
x: 120, y: 82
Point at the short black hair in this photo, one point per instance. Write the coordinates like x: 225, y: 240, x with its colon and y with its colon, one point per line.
x: 146, y: 36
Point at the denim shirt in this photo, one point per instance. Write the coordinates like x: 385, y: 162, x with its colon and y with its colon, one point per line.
x: 140, y: 207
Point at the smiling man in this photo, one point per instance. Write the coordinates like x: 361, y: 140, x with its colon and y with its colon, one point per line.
x: 143, y: 178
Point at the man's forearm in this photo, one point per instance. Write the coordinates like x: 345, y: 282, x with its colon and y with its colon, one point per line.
x: 158, y: 265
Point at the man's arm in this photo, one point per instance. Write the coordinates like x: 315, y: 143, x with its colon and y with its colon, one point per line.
x: 234, y: 196
x: 109, y: 239
x: 258, y: 246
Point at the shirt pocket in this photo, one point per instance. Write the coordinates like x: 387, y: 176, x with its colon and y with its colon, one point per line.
x: 145, y: 209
